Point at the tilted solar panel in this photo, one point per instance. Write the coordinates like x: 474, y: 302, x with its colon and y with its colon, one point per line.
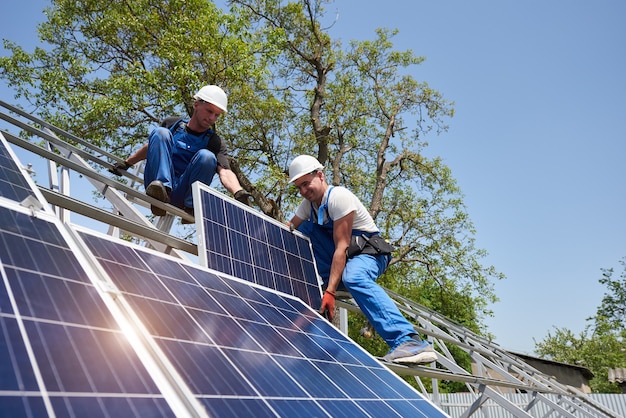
x: 239, y: 241
x: 61, y: 350
x: 246, y: 350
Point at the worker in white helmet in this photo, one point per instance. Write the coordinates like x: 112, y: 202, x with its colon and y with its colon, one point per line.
x: 350, y: 255
x: 182, y: 151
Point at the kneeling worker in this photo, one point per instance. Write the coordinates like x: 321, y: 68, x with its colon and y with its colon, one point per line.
x: 333, y: 217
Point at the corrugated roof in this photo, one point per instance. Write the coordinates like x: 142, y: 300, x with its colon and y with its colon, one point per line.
x: 617, y: 375
x: 585, y: 371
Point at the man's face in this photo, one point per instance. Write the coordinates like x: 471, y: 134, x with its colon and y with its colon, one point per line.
x: 311, y: 186
x: 206, y: 113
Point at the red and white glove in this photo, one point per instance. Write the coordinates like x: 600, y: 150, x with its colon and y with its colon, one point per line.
x: 328, y: 305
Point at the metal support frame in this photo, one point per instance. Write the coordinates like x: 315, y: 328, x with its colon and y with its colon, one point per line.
x: 497, y: 373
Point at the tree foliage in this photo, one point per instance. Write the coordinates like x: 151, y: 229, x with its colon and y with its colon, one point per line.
x: 612, y: 311
x: 602, y: 345
x: 112, y: 70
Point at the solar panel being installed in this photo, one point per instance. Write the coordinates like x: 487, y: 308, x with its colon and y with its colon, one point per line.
x: 237, y: 240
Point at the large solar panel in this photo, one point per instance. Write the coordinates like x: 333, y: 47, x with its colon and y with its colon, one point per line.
x: 245, y: 350
x: 239, y: 241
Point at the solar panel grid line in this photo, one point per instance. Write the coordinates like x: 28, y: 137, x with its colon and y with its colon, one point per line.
x: 303, y: 337
x: 239, y: 241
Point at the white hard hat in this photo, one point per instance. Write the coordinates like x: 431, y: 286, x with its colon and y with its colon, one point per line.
x: 301, y: 165
x: 214, y: 95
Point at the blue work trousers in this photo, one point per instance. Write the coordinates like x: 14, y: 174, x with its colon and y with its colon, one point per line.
x: 359, y: 278
x: 178, y: 163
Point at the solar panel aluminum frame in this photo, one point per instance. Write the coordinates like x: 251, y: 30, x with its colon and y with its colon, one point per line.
x: 199, y: 188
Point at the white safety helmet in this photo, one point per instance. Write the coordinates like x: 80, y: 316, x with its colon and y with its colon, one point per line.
x: 301, y: 165
x: 214, y: 95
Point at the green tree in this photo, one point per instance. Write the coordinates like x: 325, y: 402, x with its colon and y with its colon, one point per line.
x: 359, y: 110
x: 613, y: 307
x: 602, y: 345
x: 112, y: 70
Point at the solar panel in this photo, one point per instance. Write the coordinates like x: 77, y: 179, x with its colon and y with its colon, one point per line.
x: 239, y: 241
x: 61, y: 350
x: 244, y: 349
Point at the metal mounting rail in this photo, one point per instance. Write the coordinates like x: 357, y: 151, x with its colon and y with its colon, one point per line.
x: 496, y: 373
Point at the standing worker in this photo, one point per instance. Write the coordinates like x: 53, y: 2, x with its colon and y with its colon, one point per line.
x: 182, y: 151
x: 349, y: 252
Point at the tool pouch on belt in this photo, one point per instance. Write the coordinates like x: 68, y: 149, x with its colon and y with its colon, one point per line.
x: 374, y: 245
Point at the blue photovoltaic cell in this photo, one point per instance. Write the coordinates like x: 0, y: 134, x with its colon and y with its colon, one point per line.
x: 13, y: 184
x: 246, y: 350
x: 54, y: 323
x: 244, y: 243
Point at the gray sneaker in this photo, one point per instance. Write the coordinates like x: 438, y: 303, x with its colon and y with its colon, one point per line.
x: 412, y: 352
x: 157, y: 190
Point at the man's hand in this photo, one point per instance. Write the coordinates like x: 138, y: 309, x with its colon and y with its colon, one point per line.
x: 119, y: 166
x: 243, y: 196
x: 328, y: 305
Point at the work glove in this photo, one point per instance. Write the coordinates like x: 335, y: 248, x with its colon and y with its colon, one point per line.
x: 243, y: 197
x: 119, y: 166
x: 328, y: 305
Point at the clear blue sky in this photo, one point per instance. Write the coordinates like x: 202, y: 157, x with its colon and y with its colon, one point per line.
x: 537, y: 144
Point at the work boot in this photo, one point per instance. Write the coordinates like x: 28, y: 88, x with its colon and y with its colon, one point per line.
x: 189, y: 211
x: 157, y: 190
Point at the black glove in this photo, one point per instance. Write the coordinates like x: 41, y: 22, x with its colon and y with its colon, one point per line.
x: 243, y: 197
x: 120, y: 166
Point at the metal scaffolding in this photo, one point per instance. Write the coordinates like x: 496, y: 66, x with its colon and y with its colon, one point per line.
x: 497, y: 373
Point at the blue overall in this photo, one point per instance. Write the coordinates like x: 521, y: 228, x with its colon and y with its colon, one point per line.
x: 178, y: 160
x: 359, y: 278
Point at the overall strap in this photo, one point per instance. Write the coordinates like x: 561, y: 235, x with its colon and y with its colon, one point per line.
x: 181, y: 123
x: 176, y: 125
x: 322, y: 208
